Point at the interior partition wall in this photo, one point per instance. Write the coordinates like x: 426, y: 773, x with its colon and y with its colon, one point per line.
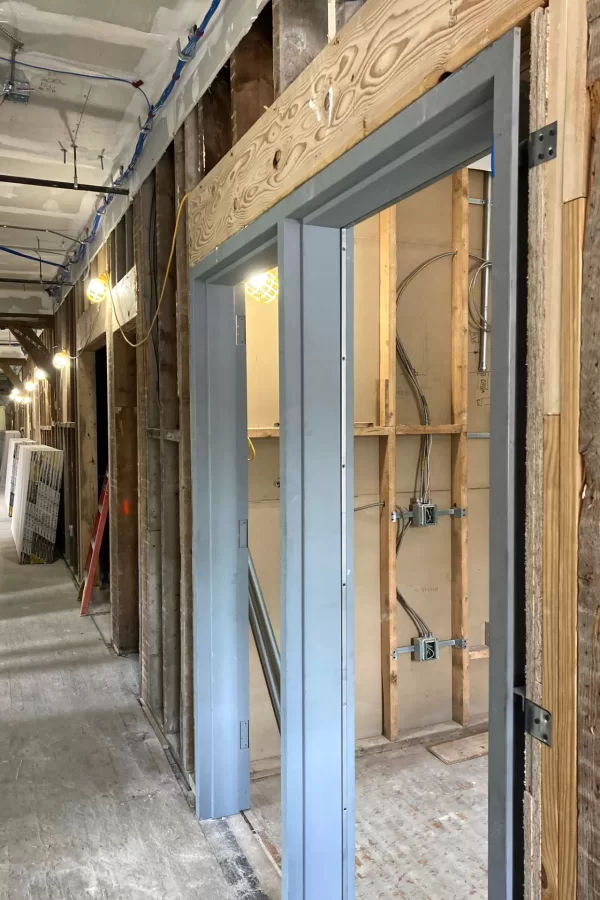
x: 309, y: 236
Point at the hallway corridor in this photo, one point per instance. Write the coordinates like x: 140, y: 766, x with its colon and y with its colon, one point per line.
x: 89, y: 805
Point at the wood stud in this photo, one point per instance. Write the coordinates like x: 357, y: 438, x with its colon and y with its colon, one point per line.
x: 387, y: 467
x: 169, y: 452
x: 459, y: 391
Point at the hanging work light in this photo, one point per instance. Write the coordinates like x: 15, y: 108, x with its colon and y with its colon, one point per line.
x: 97, y: 289
x: 61, y: 359
x: 30, y: 385
x: 39, y: 374
x: 263, y: 287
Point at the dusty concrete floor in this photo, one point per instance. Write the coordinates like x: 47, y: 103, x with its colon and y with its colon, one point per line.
x: 421, y: 826
x: 89, y: 806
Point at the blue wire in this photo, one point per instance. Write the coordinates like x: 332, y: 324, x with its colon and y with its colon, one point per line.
x: 82, y: 75
x: 188, y: 52
x: 37, y: 259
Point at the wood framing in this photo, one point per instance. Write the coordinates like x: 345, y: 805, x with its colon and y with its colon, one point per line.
x: 299, y: 34
x: 534, y: 524
x: 214, y: 121
x: 569, y: 504
x: 589, y: 547
x: 187, y: 165
x: 87, y: 451
x: 324, y: 113
x: 387, y: 467
x: 149, y: 491
x: 123, y: 513
x: 459, y: 387
x: 252, y: 75
x: 169, y: 451
x: 550, y: 654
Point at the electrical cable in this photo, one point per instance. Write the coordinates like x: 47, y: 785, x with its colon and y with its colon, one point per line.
x: 478, y: 320
x: 164, y: 285
x: 94, y: 76
x: 369, y: 506
x: 423, y: 475
x: 36, y: 259
x: 252, y: 451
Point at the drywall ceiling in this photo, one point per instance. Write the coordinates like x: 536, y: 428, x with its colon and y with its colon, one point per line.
x: 132, y: 39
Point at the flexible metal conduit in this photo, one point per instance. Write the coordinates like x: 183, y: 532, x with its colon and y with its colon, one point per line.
x: 266, y: 642
x: 485, y: 275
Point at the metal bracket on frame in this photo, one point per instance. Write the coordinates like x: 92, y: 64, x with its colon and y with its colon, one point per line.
x: 427, y: 649
x: 542, y: 145
x: 457, y: 512
x: 240, y: 329
x: 538, y: 721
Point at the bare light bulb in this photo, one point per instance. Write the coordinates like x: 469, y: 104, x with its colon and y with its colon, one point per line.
x: 97, y: 289
x: 61, y: 359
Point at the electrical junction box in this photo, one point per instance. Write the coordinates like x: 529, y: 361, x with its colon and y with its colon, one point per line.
x: 423, y: 514
x: 425, y: 649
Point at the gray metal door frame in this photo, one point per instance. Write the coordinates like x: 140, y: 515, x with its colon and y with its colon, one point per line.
x: 471, y: 113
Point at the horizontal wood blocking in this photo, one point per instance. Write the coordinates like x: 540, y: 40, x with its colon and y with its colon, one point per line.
x: 479, y: 653
x: 364, y: 429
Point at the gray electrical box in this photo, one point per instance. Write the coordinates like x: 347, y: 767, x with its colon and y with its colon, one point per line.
x: 423, y: 514
x: 426, y: 649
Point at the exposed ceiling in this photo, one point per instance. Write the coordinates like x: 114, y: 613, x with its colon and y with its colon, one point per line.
x: 131, y: 39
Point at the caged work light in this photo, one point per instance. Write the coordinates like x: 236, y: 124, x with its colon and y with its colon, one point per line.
x: 263, y: 287
x: 98, y: 288
x: 61, y: 359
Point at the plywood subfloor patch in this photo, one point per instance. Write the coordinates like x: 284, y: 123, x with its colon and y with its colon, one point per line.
x: 452, y: 752
x: 421, y: 826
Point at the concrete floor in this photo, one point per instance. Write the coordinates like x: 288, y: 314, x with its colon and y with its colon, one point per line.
x: 421, y: 825
x: 89, y: 805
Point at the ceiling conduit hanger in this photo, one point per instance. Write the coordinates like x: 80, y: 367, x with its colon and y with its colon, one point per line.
x: 66, y: 185
x: 67, y: 237
x: 58, y: 251
x: 35, y: 281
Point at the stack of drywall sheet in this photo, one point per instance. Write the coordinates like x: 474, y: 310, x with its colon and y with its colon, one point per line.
x: 5, y: 437
x: 14, y: 446
x: 37, y: 499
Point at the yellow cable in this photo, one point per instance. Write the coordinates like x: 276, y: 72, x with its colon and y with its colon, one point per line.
x: 162, y: 293
x: 252, y: 451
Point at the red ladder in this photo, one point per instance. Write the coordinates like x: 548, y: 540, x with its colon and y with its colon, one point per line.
x: 85, y: 591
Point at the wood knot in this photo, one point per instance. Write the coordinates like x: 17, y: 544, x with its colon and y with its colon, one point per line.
x: 276, y: 159
x: 236, y: 203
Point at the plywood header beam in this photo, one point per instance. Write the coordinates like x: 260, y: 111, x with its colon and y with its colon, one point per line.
x: 390, y: 53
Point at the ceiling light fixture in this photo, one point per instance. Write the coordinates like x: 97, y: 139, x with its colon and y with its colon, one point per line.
x: 97, y: 289
x: 61, y: 359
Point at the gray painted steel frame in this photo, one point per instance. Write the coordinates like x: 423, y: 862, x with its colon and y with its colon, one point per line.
x: 220, y: 554
x: 317, y: 485
x: 447, y: 128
